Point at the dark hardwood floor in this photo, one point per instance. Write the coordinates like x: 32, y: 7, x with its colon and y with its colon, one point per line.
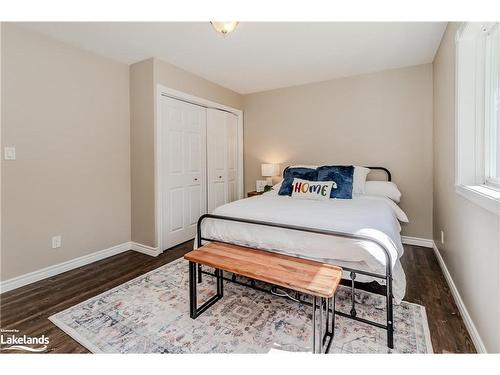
x: 27, y: 309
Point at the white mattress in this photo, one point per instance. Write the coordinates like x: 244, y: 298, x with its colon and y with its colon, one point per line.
x: 374, y: 217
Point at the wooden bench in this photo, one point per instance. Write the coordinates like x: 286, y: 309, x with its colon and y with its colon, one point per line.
x: 314, y: 278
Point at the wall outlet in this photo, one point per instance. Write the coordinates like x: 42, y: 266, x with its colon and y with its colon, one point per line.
x: 9, y: 153
x: 442, y: 237
x: 56, y: 242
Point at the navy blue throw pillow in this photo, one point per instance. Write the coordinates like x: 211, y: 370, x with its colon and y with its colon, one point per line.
x: 342, y: 175
x: 290, y: 173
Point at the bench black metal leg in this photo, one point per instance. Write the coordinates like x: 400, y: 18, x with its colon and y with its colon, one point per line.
x: 327, y: 309
x: 194, y: 310
x: 333, y: 316
x: 192, y: 290
x: 320, y: 336
x: 199, y: 274
x: 220, y: 282
x: 314, y: 325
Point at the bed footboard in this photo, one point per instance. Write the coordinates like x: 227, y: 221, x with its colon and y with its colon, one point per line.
x: 389, y: 326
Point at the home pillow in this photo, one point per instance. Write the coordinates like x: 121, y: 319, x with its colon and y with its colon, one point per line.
x: 290, y: 173
x: 316, y: 190
x: 359, y: 177
x: 383, y: 189
x: 342, y: 175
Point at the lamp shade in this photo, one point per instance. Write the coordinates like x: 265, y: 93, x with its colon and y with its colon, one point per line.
x: 270, y: 170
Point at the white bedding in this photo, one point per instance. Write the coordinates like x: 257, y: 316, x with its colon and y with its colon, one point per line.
x: 375, y: 217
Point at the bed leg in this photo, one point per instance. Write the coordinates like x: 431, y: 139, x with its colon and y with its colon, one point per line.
x: 353, y: 307
x: 390, y: 317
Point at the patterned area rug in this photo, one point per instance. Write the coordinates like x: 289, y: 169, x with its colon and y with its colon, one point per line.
x: 150, y: 314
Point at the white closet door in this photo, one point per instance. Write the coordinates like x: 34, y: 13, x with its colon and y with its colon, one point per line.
x: 183, y: 133
x: 222, y: 143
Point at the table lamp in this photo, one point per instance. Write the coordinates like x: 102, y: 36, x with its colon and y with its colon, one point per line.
x: 269, y: 171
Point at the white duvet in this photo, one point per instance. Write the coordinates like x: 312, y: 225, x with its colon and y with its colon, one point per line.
x: 374, y: 217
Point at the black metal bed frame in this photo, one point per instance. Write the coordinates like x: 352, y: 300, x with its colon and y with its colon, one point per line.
x: 389, y: 326
x: 389, y: 176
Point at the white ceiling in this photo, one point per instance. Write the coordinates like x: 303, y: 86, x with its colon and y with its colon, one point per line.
x: 259, y: 56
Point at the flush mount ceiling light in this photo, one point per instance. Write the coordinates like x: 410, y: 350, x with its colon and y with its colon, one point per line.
x: 224, y: 27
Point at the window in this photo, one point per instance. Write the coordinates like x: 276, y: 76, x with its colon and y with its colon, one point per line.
x: 478, y: 114
x: 492, y: 107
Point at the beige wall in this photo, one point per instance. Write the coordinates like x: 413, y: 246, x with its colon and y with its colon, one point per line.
x: 67, y: 113
x: 381, y: 119
x: 142, y: 152
x: 471, y: 249
x: 144, y: 76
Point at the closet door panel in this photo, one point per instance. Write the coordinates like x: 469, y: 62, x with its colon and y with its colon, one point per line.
x: 183, y: 132
x: 195, y: 209
x: 196, y: 166
x: 219, y: 194
x: 175, y: 151
x: 222, y: 135
x: 176, y: 199
x: 232, y: 161
x: 216, y: 166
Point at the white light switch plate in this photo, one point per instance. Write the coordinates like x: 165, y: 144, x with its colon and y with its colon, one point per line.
x: 9, y: 153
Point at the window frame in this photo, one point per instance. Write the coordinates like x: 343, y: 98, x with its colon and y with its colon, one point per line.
x: 473, y: 179
x: 492, y: 52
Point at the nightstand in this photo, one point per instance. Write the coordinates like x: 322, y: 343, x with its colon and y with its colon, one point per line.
x: 254, y: 193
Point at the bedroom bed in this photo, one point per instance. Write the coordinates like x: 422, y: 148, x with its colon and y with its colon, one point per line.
x: 362, y: 235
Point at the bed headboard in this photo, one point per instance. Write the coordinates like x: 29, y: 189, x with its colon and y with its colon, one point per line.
x: 389, y: 176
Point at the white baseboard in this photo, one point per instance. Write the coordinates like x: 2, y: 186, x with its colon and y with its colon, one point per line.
x: 469, y: 324
x: 19, y: 281
x: 424, y: 242
x: 148, y: 250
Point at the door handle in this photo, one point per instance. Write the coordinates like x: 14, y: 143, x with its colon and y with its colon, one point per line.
x: 196, y: 179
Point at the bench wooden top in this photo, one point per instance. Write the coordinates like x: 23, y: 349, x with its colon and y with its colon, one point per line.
x: 302, y: 275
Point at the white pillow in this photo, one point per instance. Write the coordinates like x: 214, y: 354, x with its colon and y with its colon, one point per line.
x: 400, y: 214
x: 359, y: 179
x: 383, y: 189
x: 316, y: 190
